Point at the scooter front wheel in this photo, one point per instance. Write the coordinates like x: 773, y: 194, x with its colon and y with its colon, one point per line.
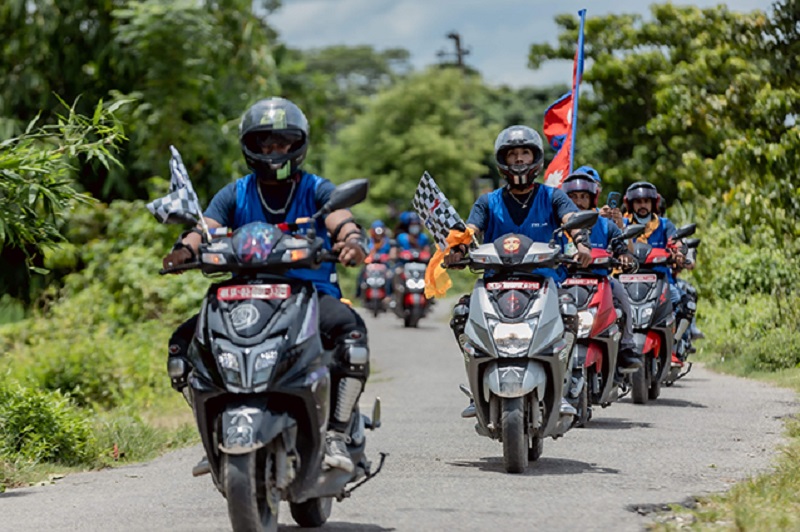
x: 515, y: 443
x: 249, y: 508
x: 639, y: 385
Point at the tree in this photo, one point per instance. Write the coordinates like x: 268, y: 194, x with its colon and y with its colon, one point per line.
x: 425, y: 122
x: 689, y: 100
x: 36, y: 170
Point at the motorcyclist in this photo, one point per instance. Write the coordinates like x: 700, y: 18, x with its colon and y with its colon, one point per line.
x: 522, y: 206
x: 688, y: 264
x: 642, y: 203
x: 274, y: 138
x: 583, y: 188
x: 409, y: 235
x: 380, y: 248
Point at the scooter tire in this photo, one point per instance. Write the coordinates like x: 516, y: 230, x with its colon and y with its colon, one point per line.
x: 248, y: 507
x: 515, y: 442
x: 639, y: 388
x: 312, y: 513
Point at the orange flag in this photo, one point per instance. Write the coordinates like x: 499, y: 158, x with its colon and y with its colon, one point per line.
x: 437, y: 280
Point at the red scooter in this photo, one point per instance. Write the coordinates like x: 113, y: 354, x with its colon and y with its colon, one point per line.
x: 374, y: 284
x: 410, y: 302
x: 594, y: 356
x: 653, y: 317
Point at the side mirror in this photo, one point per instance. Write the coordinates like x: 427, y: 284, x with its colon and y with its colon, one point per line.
x: 581, y: 220
x: 632, y: 231
x: 692, y: 242
x: 685, y: 231
x: 345, y: 195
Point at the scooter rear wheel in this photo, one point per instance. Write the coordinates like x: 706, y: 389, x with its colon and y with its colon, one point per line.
x: 312, y: 513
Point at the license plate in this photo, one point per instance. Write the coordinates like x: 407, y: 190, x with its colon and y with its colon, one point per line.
x: 254, y: 291
x: 513, y: 285
x: 638, y: 278
x: 579, y: 282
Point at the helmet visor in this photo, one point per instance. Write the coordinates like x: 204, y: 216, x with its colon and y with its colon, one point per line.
x: 642, y: 193
x: 258, y: 140
x: 580, y: 185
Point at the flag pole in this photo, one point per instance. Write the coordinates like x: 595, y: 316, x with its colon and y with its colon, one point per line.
x: 576, y: 84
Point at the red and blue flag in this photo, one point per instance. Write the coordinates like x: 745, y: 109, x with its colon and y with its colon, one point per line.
x: 560, y: 124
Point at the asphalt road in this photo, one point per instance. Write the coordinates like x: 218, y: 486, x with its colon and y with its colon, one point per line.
x: 700, y: 436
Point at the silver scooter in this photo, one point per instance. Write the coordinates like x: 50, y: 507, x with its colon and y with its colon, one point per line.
x: 515, y: 345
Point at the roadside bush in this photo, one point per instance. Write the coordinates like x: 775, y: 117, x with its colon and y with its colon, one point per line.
x: 754, y: 333
x: 43, y: 426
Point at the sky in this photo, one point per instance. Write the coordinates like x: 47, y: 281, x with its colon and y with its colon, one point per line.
x: 497, y: 33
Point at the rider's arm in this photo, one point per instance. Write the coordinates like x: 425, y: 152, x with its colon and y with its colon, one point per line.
x: 347, y: 237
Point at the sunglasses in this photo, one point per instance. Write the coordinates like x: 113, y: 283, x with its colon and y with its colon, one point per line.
x: 285, y: 137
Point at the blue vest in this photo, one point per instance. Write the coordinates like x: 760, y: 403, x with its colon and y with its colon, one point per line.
x: 658, y: 239
x: 385, y: 248
x: 249, y: 209
x: 599, y: 239
x: 538, y: 225
x: 404, y: 241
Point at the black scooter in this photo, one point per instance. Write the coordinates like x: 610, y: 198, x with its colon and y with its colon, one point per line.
x: 259, y: 383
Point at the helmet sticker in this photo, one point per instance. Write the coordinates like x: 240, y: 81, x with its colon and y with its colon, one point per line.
x: 274, y: 117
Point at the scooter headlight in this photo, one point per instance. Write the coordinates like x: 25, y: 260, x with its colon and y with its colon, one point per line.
x: 229, y: 364
x: 512, y: 339
x: 415, y: 284
x: 585, y: 322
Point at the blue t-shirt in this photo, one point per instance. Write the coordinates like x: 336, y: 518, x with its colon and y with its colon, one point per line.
x: 479, y: 215
x: 223, y: 206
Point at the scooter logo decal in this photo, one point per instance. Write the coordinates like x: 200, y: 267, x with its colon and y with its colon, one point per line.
x: 511, y: 244
x: 240, y: 432
x: 244, y: 315
x: 518, y: 372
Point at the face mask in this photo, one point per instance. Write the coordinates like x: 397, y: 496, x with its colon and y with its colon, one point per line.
x: 414, y: 230
x: 642, y: 220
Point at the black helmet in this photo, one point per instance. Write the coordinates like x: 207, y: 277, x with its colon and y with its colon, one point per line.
x: 273, y: 120
x: 519, y: 137
x: 639, y: 190
x: 580, y: 181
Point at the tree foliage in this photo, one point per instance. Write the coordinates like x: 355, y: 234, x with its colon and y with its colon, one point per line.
x: 37, y: 170
x: 690, y: 101
x: 426, y: 122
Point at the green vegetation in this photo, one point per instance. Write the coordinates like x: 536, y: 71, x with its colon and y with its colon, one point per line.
x: 699, y: 101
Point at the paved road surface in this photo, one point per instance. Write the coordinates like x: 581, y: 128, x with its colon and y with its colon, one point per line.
x: 702, y: 435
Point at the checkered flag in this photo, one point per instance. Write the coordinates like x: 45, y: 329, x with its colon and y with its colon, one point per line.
x: 435, y: 210
x: 181, y: 205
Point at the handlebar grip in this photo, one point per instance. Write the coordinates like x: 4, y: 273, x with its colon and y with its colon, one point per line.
x: 328, y: 256
x: 179, y: 268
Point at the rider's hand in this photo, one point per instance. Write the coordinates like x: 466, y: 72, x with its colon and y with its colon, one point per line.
x: 616, y: 215
x: 584, y: 255
x: 351, y: 252
x: 627, y: 262
x: 605, y: 211
x: 678, y: 258
x: 176, y: 257
x: 456, y: 254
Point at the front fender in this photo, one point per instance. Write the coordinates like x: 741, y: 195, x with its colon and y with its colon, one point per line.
x: 246, y: 428
x: 510, y: 378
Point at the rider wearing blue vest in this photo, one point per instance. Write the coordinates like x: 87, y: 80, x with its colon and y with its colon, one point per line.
x: 523, y: 207
x: 583, y: 188
x: 642, y: 202
x: 409, y: 235
x: 274, y: 136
